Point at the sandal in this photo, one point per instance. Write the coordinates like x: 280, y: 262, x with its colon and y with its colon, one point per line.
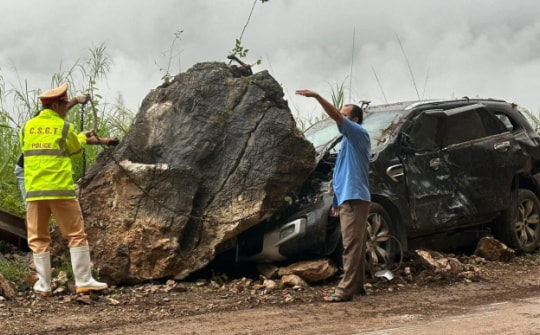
x: 334, y: 297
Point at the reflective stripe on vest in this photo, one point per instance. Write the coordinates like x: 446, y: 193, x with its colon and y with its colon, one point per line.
x: 53, y: 193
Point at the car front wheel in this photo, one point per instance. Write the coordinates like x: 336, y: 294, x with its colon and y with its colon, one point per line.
x: 382, y: 247
x: 519, y: 227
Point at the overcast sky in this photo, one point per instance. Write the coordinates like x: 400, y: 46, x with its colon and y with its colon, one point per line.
x: 475, y: 48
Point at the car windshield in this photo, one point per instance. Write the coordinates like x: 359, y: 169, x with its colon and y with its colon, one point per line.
x: 322, y: 132
x: 376, y: 121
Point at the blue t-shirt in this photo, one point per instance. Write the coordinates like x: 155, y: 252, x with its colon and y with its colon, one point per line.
x: 351, y: 173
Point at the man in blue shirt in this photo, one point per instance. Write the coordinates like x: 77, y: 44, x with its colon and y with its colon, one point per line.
x: 351, y: 194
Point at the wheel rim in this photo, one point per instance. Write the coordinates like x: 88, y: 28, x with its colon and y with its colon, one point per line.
x: 378, y: 242
x: 527, y: 224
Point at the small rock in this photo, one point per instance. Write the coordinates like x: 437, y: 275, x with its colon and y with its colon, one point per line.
x: 493, y: 250
x: 62, y: 278
x: 269, y: 284
x: 113, y: 301
x: 293, y: 280
x: 438, y: 263
x: 84, y: 299
x: 455, y: 265
x: 258, y: 287
x: 60, y: 290
x: 268, y: 270
x: 201, y: 282
x: 153, y: 289
x: 289, y: 298
x: 7, y: 289
x: 310, y: 271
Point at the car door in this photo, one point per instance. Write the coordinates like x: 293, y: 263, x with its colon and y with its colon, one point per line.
x: 459, y: 171
x: 430, y: 190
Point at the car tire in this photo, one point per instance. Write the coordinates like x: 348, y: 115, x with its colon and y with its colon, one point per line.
x: 382, y: 245
x: 519, y: 227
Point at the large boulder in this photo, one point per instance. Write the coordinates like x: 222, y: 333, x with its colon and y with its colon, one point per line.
x: 210, y: 154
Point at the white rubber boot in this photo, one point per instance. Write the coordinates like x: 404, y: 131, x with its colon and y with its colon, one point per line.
x: 82, y: 271
x: 43, y: 270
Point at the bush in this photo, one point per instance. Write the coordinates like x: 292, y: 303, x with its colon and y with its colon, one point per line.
x: 15, y: 272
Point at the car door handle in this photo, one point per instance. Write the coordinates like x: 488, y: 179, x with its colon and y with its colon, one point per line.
x: 395, y: 171
x: 502, y: 146
x: 435, y: 163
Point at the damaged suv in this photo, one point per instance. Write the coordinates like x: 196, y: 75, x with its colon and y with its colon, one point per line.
x: 442, y: 173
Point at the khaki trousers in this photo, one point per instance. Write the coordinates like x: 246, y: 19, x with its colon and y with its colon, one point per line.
x: 353, y: 220
x: 68, y: 215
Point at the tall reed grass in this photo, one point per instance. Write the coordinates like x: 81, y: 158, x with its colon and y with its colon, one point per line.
x: 19, y: 104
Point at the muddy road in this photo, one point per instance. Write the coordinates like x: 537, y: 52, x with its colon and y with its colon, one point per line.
x: 499, y: 298
x: 516, y: 316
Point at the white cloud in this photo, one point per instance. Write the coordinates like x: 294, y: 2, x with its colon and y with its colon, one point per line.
x: 455, y: 48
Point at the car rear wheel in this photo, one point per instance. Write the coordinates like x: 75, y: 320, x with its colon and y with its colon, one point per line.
x: 382, y: 246
x: 519, y: 227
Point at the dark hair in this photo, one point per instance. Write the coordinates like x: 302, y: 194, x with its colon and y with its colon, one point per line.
x: 356, y: 111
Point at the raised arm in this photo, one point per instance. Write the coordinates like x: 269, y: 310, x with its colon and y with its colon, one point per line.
x: 332, y: 111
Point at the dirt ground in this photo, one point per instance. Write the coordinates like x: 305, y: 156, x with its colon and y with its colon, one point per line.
x: 214, y: 304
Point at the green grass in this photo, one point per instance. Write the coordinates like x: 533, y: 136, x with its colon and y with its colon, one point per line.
x: 14, y: 269
x: 15, y: 272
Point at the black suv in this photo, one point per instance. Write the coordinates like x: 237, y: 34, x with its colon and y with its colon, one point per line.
x: 443, y: 173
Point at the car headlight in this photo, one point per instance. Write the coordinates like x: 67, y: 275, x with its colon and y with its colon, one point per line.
x: 291, y: 230
x: 286, y: 232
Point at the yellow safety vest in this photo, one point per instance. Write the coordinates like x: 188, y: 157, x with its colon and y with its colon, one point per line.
x: 48, y: 142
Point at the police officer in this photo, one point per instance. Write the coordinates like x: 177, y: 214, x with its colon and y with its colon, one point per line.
x: 48, y: 142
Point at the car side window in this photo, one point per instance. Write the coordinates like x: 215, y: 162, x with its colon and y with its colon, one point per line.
x: 462, y: 127
x: 423, y: 133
